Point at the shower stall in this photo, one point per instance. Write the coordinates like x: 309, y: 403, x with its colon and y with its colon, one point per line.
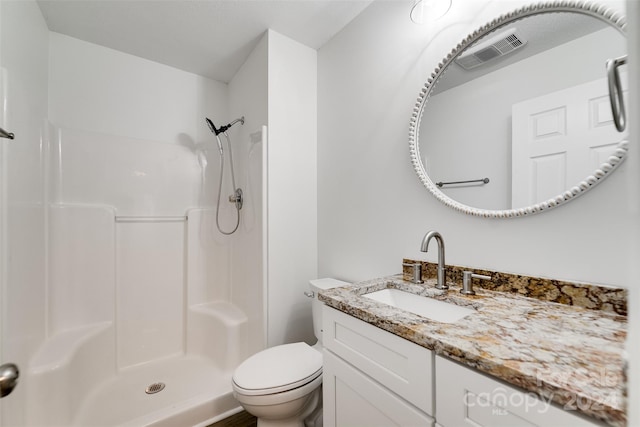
x: 122, y: 303
x: 142, y: 308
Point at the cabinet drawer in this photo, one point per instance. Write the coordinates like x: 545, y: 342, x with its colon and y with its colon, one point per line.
x: 350, y: 398
x: 466, y: 397
x: 400, y: 365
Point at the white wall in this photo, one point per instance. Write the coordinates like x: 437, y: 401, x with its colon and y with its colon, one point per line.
x: 248, y: 98
x: 100, y: 90
x: 23, y: 97
x: 292, y: 188
x: 372, y: 209
x: 276, y: 87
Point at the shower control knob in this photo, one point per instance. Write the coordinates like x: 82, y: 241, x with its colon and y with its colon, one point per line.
x: 237, y: 198
x: 9, y: 374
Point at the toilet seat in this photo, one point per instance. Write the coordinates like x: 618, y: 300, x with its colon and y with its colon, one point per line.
x: 274, y: 390
x: 271, y: 399
x: 278, y: 369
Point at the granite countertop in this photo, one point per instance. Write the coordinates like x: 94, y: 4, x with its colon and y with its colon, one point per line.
x: 571, y: 355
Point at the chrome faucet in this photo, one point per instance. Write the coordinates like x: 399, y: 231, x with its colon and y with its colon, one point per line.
x: 442, y: 276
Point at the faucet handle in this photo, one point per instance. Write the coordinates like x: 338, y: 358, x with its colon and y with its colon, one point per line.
x: 467, y: 286
x: 416, y: 271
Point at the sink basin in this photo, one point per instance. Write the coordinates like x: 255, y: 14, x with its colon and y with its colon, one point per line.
x: 430, y: 308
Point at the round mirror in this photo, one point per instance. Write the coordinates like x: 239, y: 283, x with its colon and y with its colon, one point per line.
x: 517, y: 118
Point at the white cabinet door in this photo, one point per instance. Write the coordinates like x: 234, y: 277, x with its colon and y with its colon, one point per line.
x: 352, y: 399
x: 465, y: 397
x: 403, y: 367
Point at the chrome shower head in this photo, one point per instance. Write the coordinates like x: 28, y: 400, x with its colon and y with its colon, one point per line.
x: 216, y: 132
x: 222, y: 129
x: 212, y: 127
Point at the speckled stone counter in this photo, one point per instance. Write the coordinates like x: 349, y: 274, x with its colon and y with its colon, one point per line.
x: 584, y: 295
x: 571, y: 355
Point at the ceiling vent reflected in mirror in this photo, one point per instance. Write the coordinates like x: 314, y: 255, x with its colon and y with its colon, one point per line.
x: 495, y: 47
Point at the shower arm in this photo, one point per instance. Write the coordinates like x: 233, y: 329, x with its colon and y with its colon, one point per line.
x: 240, y: 119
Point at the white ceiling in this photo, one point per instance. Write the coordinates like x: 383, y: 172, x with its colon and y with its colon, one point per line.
x: 211, y: 38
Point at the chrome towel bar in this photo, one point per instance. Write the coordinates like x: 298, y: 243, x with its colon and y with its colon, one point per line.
x: 483, y: 180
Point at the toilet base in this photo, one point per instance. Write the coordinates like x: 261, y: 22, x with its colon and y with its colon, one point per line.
x: 289, y: 414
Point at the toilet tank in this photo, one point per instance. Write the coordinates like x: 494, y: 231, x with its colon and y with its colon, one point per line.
x: 316, y: 305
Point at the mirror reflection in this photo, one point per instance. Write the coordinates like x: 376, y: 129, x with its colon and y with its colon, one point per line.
x: 527, y: 107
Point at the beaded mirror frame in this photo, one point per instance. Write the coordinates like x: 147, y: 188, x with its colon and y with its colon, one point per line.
x: 600, y: 12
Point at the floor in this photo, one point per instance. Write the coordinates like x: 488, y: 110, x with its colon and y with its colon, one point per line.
x: 241, y: 419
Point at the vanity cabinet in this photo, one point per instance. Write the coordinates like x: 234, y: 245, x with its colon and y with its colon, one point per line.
x: 372, y: 377
x: 466, y: 397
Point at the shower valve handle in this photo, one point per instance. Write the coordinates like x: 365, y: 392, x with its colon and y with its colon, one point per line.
x: 237, y: 198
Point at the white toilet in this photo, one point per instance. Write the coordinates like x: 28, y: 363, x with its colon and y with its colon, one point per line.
x: 281, y: 385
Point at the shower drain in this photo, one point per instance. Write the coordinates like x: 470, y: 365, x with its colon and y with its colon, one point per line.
x: 154, y: 388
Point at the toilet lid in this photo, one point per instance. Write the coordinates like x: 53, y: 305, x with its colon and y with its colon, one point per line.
x: 279, y: 368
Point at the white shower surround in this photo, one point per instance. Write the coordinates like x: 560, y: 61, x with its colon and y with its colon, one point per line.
x: 137, y: 294
x: 141, y: 286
